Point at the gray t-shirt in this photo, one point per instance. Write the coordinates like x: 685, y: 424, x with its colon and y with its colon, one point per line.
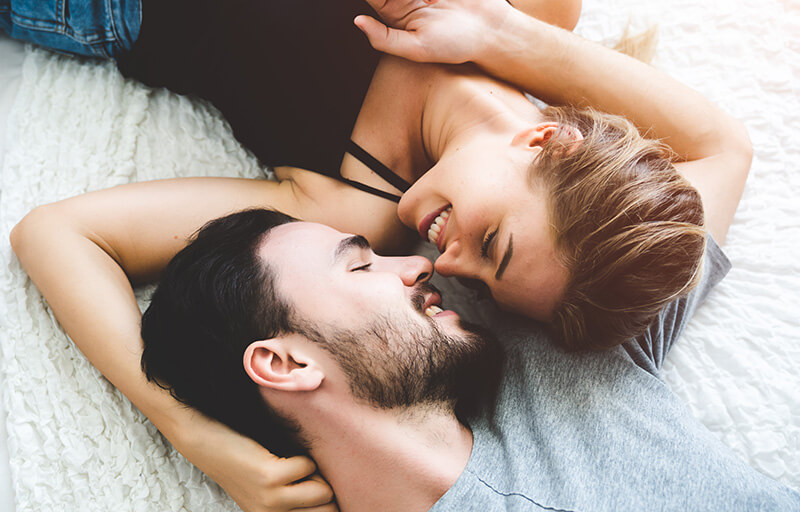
x: 601, y: 431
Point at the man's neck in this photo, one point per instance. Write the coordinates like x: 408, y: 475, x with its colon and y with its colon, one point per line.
x: 377, y: 459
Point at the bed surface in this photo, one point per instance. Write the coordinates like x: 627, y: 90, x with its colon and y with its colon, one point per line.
x: 77, y: 444
x: 11, y: 56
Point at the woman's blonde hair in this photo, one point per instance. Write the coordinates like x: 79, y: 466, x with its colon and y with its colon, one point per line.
x: 640, y: 45
x: 627, y: 226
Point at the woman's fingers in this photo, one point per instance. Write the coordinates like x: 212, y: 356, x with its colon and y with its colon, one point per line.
x: 397, y: 12
x: 330, y: 507
x: 293, y: 469
x: 390, y: 40
x: 314, y: 492
x: 447, y: 32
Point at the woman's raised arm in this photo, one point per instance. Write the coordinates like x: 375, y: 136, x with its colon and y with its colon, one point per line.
x: 453, y: 31
x: 82, y: 253
x: 562, y: 68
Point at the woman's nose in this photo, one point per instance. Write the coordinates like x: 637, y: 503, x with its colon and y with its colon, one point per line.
x: 410, y: 269
x: 452, y: 262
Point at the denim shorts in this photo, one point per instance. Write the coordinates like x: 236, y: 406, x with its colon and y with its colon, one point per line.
x: 96, y: 28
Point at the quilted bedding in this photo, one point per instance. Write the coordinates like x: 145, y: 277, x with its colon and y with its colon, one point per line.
x: 75, y: 443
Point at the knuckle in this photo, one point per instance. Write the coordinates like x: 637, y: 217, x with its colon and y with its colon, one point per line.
x: 269, y: 479
x: 271, y: 502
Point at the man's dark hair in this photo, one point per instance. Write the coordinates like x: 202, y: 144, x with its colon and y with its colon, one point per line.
x: 215, y: 298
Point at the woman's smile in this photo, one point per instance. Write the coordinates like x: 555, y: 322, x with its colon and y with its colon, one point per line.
x: 438, y: 227
x: 433, y: 225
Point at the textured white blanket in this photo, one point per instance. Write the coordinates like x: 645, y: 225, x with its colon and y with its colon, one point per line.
x: 77, y: 444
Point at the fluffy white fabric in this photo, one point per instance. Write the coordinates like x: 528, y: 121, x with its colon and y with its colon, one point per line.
x: 77, y: 444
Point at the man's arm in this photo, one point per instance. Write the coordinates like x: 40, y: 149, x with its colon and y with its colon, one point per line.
x: 81, y: 253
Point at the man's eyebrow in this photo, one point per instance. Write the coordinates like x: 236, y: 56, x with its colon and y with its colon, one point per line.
x: 506, y: 258
x: 349, y: 243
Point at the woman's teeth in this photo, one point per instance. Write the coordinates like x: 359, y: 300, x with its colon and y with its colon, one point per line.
x: 433, y: 310
x: 436, y: 225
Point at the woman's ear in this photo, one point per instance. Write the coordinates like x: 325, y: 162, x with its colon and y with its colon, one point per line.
x: 536, y: 136
x: 277, y: 364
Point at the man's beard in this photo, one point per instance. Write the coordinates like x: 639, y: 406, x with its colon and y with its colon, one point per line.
x: 396, y: 362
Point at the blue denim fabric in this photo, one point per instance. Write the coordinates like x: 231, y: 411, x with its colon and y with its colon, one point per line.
x: 96, y: 28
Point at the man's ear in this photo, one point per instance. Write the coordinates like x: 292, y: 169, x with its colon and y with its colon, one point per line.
x: 536, y: 136
x: 277, y: 364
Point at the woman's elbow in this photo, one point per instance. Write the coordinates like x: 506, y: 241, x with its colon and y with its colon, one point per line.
x: 745, y: 145
x: 37, y: 225
x: 739, y: 144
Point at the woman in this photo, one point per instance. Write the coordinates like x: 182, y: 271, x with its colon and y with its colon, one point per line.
x: 510, y: 222
x: 314, y: 105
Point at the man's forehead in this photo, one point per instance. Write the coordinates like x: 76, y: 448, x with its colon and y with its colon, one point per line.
x: 299, y: 239
x: 303, y: 229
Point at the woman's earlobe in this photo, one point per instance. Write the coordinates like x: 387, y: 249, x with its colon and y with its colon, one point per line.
x: 275, y: 365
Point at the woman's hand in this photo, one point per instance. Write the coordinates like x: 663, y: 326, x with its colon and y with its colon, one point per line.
x: 444, y: 31
x: 256, y: 480
x: 454, y: 31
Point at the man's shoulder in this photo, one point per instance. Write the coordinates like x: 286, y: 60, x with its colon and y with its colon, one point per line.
x: 651, y: 348
x: 529, y: 349
x: 527, y: 339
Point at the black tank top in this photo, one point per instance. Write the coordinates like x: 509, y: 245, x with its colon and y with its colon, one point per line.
x: 288, y: 75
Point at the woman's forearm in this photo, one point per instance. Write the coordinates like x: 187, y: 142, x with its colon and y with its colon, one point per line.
x: 714, y: 150
x: 94, y: 302
x: 81, y: 252
x: 562, y: 68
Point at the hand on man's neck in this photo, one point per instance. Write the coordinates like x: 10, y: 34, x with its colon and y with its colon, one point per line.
x: 378, y: 459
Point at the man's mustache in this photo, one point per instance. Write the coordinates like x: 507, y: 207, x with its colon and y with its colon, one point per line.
x: 420, y: 291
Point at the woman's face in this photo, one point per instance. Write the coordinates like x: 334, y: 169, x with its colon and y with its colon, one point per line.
x: 490, y: 223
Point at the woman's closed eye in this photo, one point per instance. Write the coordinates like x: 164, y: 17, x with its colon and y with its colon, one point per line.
x: 362, y: 268
x: 487, y: 241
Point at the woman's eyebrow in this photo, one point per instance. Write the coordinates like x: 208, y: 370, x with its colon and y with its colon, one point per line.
x: 347, y: 244
x: 506, y: 258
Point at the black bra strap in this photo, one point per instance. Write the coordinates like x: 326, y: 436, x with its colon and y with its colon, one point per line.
x: 381, y: 170
x: 371, y: 190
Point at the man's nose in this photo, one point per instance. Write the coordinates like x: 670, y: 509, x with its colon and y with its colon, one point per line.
x: 410, y: 269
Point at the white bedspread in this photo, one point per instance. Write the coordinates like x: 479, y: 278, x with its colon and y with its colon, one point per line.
x: 77, y: 444
x: 12, y: 54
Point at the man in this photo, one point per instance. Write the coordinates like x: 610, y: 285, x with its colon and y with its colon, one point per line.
x: 303, y: 338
